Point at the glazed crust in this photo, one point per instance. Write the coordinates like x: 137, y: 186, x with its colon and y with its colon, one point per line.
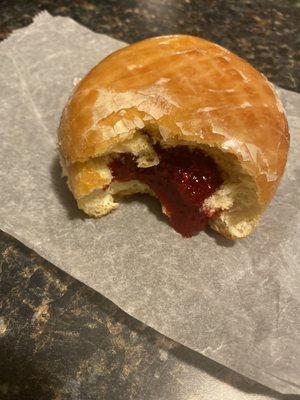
x: 193, y: 91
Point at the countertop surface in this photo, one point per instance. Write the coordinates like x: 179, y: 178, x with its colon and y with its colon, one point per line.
x: 60, y: 339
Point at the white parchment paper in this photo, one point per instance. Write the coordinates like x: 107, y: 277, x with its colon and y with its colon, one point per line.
x: 237, y: 303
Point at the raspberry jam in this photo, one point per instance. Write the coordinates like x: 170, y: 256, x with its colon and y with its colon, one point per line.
x: 182, y: 180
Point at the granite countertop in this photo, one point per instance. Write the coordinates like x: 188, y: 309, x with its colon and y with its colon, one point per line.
x: 60, y: 339
x: 266, y: 33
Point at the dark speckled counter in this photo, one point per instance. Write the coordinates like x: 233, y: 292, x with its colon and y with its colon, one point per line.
x: 266, y: 33
x: 58, y: 338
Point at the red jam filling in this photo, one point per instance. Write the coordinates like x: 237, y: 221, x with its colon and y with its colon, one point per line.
x: 182, y: 180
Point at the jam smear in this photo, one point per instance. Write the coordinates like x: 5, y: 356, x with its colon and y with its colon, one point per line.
x: 182, y: 180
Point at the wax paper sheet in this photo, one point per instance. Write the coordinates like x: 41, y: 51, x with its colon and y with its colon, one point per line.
x: 237, y: 303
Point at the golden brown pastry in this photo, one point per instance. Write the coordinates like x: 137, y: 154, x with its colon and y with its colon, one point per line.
x: 182, y: 119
